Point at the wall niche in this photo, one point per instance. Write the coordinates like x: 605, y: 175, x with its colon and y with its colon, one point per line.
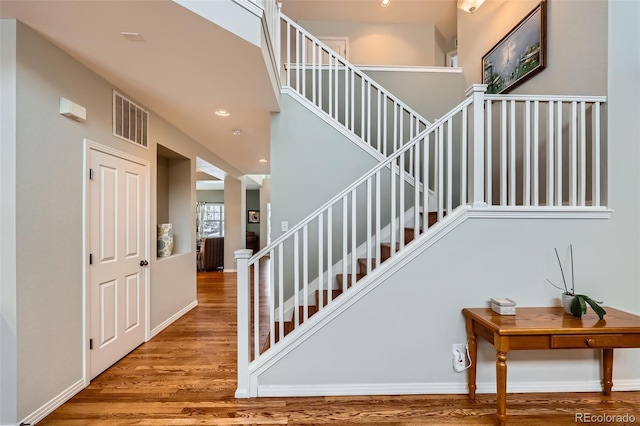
x: 174, y: 197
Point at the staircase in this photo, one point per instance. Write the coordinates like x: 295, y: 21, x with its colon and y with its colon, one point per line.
x: 491, y: 153
x: 344, y: 282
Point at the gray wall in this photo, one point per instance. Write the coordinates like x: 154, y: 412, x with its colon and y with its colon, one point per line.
x: 48, y: 206
x: 8, y: 281
x: 210, y: 195
x: 306, y: 170
x: 383, y: 44
x: 575, y: 31
x: 485, y: 258
x: 431, y: 94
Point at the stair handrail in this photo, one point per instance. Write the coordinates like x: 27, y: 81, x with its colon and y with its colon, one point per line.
x: 417, y: 123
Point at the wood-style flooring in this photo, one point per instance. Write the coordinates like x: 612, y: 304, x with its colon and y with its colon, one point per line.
x: 187, y: 375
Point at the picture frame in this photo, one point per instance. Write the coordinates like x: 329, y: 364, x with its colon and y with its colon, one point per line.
x: 519, y: 55
x: 253, y: 216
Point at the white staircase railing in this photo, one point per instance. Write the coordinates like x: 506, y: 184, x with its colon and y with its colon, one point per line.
x: 491, y: 151
x: 344, y: 93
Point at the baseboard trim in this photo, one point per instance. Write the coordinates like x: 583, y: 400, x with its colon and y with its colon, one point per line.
x: 54, y: 403
x: 172, y: 319
x: 438, y: 388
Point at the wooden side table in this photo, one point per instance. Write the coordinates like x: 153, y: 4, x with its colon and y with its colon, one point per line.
x: 547, y: 328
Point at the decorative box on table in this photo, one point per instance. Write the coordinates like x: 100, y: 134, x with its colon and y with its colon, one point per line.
x: 503, y: 306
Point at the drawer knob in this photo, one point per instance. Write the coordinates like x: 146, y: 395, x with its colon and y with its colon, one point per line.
x: 590, y: 342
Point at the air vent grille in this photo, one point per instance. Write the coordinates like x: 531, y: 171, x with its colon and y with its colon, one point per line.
x: 130, y: 121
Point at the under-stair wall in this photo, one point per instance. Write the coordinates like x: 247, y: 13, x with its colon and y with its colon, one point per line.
x: 396, y: 338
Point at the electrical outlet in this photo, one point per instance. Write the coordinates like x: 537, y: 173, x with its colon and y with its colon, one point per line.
x: 458, y: 354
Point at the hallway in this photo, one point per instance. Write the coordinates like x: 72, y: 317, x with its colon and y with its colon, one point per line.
x: 187, y: 375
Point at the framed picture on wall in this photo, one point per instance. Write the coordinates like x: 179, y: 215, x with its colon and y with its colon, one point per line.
x: 519, y: 55
x: 253, y: 216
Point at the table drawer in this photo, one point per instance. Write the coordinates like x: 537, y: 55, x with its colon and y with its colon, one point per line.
x: 587, y: 341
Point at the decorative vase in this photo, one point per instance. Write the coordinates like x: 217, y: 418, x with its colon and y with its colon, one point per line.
x: 165, y: 239
x: 566, y: 302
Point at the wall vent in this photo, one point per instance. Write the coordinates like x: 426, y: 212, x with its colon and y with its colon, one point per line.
x: 130, y: 121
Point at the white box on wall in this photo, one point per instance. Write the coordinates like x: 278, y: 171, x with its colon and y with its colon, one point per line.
x: 72, y: 110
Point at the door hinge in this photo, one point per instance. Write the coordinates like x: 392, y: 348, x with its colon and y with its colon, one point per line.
x: 90, y: 344
x: 90, y: 258
x: 90, y: 174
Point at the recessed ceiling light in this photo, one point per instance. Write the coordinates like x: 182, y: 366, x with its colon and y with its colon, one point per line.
x: 385, y: 3
x: 237, y: 132
x: 262, y: 160
x: 132, y: 36
x: 222, y: 113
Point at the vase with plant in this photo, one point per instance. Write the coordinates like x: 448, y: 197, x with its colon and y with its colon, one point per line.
x: 575, y: 304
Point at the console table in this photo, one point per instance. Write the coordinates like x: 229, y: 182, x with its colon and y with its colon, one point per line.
x: 547, y: 328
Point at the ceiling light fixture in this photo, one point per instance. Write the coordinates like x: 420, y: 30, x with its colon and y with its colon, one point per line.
x: 385, y: 3
x: 132, y: 36
x: 222, y: 113
x: 469, y: 6
x: 237, y: 132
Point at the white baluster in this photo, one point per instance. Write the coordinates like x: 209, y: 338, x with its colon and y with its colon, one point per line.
x: 526, y: 201
x: 573, y: 155
x: 550, y: 154
x: 463, y: 160
x: 595, y: 136
x: 305, y: 272
x: 512, y: 154
x: 450, y: 166
x: 503, y: 153
x: 559, y: 125
x: 536, y: 146
x: 296, y: 279
x: 582, y: 188
x: 489, y: 152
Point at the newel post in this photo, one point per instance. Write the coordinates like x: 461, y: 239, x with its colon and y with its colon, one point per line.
x: 476, y: 141
x: 242, y: 265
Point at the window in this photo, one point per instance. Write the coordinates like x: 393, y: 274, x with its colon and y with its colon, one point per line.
x: 210, y: 220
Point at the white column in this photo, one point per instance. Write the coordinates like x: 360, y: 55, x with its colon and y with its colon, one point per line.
x: 244, y: 322
x: 476, y: 139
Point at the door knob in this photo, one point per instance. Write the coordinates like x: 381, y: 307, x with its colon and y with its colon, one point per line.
x: 143, y: 263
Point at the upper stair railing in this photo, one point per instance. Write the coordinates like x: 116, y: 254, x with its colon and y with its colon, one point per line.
x: 344, y: 93
x: 501, y: 152
x: 272, y: 21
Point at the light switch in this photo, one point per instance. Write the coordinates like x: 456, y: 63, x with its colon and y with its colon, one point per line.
x: 284, y: 226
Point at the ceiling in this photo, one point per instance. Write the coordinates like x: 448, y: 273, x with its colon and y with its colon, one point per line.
x: 177, y: 70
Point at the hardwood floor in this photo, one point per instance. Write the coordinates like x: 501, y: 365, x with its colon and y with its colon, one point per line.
x: 187, y: 375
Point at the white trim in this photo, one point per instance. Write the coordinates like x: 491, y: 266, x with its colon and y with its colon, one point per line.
x: 540, y: 212
x: 89, y: 145
x: 54, y: 403
x: 251, y: 6
x: 438, y: 388
x: 166, y: 323
x: 402, y: 68
x: 382, y: 68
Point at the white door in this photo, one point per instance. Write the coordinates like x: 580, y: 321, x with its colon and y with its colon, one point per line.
x: 118, y: 258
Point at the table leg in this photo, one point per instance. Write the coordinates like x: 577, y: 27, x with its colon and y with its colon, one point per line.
x: 473, y: 355
x: 607, y: 366
x: 501, y: 386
